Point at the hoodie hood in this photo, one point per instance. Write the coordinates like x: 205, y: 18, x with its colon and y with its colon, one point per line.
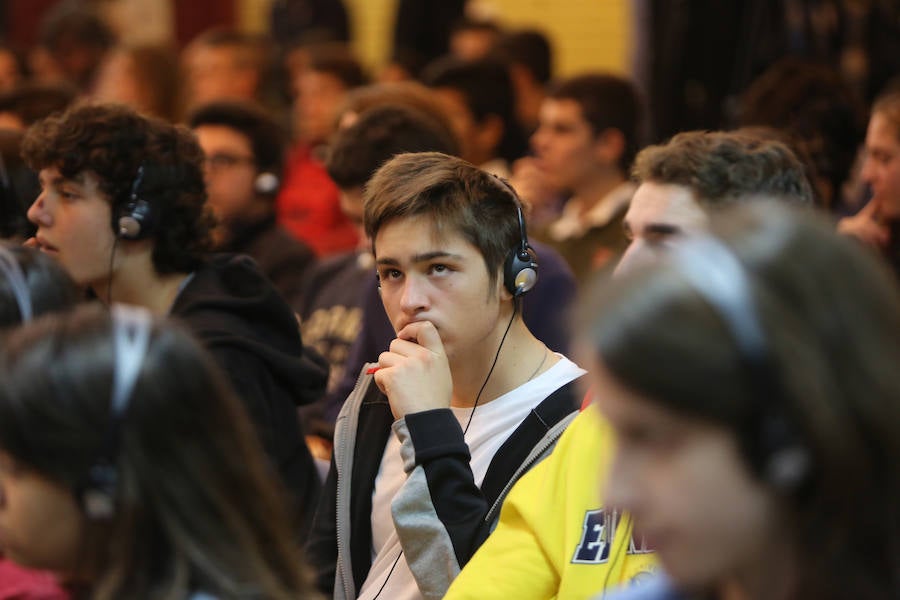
x: 228, y: 303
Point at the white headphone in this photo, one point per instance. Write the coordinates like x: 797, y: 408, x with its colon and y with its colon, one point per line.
x: 266, y: 183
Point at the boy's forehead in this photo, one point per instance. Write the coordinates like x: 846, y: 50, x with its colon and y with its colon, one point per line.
x: 52, y: 175
x: 433, y: 232
x: 665, y: 203
x: 568, y: 110
x: 420, y: 223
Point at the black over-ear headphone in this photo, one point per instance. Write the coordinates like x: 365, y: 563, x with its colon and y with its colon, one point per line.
x: 13, y: 273
x: 131, y: 328
x: 135, y: 219
x: 770, y: 442
x: 520, y: 271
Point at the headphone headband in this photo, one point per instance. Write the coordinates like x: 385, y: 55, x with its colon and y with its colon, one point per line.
x: 135, y: 219
x: 521, y: 267
x: 13, y: 273
x: 716, y: 274
x: 136, y: 184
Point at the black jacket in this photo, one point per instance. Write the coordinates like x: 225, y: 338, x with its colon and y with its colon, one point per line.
x: 280, y: 256
x: 242, y: 320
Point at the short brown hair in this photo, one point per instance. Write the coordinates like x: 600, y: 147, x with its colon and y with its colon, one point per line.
x: 381, y: 133
x: 402, y: 93
x: 251, y: 51
x: 457, y: 195
x: 720, y: 167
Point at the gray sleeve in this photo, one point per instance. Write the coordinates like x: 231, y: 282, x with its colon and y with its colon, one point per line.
x: 425, y: 540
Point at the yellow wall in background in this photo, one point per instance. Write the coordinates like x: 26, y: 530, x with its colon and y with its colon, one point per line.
x: 586, y: 34
x: 253, y: 15
x: 372, y: 24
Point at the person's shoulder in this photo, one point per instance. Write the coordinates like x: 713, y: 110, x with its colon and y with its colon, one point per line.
x: 217, y: 282
x: 229, y: 293
x: 550, y: 259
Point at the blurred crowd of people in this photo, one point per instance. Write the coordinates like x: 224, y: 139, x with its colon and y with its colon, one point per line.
x: 276, y: 324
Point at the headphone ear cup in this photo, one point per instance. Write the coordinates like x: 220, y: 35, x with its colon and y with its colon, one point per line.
x: 135, y: 220
x: 98, y: 496
x: 266, y: 183
x: 781, y: 460
x: 520, y: 271
x: 787, y: 468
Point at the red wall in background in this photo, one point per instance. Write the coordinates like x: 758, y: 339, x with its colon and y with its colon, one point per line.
x: 23, y: 18
x: 194, y: 16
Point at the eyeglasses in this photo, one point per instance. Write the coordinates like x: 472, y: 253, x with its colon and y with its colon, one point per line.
x: 216, y: 162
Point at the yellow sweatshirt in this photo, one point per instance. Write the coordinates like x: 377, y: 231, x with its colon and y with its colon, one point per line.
x: 554, y: 539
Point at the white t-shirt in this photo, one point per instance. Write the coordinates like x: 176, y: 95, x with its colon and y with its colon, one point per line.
x: 491, y: 425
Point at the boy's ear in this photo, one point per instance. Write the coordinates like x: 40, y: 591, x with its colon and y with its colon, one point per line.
x: 503, y: 293
x: 609, y: 146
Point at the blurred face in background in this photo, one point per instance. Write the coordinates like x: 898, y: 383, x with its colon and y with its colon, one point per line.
x: 219, y: 73
x: 658, y: 214
x: 881, y: 167
x: 40, y: 522
x: 319, y: 95
x: 10, y: 74
x: 117, y: 81
x: 230, y: 170
x: 686, y: 484
x: 564, y: 144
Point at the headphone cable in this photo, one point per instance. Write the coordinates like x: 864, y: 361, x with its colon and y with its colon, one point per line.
x: 109, y: 278
x: 469, y: 422
x: 493, y: 364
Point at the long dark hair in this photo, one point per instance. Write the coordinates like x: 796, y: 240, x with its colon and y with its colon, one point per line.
x: 196, y: 507
x: 830, y: 317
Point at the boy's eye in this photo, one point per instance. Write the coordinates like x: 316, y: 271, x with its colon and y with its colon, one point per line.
x: 657, y: 237
x: 66, y: 194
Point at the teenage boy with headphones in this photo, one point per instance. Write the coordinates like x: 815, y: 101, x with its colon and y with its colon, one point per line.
x: 244, y: 151
x: 356, y: 153
x: 463, y: 402
x: 554, y: 538
x: 122, y: 209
